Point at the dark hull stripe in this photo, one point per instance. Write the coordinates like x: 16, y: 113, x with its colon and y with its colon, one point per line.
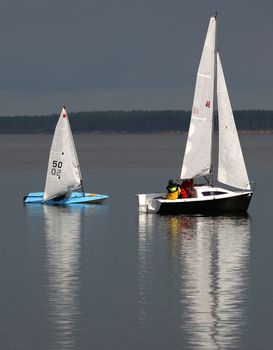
x: 237, y: 204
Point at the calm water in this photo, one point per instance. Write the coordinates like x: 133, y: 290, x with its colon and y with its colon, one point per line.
x: 105, y: 277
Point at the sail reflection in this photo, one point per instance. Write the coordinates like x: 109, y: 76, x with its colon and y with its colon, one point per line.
x: 208, y: 270
x: 62, y: 232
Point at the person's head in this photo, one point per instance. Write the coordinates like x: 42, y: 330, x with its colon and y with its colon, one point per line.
x: 171, y: 183
x: 184, y: 184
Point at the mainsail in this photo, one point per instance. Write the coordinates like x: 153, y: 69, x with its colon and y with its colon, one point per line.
x: 197, y: 157
x: 63, y: 172
x: 231, y: 165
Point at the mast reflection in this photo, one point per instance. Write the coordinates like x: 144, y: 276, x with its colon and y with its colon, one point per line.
x: 208, y: 270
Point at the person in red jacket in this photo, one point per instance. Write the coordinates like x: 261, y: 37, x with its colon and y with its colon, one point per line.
x: 190, y: 188
x: 183, y: 190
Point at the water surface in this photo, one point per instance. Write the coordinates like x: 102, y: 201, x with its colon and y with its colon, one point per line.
x: 105, y: 277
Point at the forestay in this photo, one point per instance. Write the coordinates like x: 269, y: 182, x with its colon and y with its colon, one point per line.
x: 197, y: 157
x: 231, y: 165
x: 63, y: 172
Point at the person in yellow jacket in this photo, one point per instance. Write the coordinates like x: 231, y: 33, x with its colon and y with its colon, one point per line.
x: 173, y: 191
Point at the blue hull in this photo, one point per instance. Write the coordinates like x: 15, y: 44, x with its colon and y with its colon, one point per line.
x: 75, y: 198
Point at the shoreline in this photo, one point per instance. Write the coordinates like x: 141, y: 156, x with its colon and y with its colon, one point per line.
x: 170, y: 133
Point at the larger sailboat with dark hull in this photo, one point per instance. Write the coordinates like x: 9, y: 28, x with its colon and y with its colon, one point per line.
x: 200, y: 148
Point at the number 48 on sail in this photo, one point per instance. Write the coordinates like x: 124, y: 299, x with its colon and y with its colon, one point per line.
x: 200, y: 148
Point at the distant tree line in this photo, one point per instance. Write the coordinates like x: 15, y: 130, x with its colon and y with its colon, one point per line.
x: 128, y: 122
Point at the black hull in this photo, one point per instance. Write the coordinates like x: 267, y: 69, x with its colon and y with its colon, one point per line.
x: 236, y: 204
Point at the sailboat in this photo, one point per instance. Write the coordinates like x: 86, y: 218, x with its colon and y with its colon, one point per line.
x: 201, y: 147
x: 63, y: 181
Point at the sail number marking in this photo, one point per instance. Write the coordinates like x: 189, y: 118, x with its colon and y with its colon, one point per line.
x: 56, y: 168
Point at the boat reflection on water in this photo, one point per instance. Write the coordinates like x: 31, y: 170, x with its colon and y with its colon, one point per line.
x: 63, y: 228
x: 208, y: 271
x: 63, y: 240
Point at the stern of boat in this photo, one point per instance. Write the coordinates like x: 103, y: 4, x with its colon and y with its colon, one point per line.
x: 149, y: 203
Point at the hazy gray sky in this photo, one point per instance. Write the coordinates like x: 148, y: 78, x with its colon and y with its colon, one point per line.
x: 129, y: 54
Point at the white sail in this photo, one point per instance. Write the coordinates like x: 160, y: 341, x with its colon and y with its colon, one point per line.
x: 63, y: 172
x: 197, y: 157
x: 231, y: 165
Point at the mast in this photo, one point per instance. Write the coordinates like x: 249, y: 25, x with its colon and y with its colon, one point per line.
x: 214, y: 111
x: 78, y: 163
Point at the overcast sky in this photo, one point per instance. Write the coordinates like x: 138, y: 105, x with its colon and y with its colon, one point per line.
x: 129, y: 54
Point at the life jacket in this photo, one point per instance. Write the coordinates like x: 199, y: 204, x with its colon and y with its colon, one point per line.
x: 173, y: 192
x: 183, y: 193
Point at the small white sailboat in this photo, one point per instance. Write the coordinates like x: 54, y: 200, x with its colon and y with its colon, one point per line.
x: 198, y: 157
x: 63, y: 181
